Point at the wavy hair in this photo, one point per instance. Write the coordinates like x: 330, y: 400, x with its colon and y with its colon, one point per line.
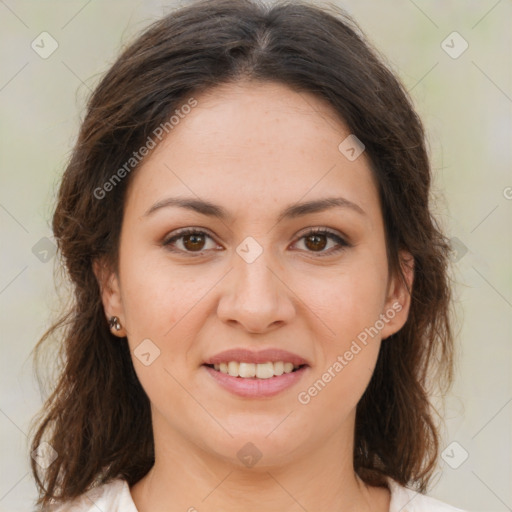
x: 97, y: 416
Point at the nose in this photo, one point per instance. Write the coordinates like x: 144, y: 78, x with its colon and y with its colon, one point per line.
x: 255, y: 296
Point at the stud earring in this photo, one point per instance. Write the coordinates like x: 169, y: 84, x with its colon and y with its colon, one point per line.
x: 114, y: 323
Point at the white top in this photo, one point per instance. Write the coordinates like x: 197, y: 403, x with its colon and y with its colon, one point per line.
x: 115, y: 496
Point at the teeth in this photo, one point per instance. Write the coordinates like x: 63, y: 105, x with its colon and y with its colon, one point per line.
x: 278, y: 368
x: 233, y: 367
x: 288, y: 367
x: 247, y: 370
x: 264, y: 371
x: 251, y: 370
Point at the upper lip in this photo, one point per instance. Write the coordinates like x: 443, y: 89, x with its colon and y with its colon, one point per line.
x: 243, y: 355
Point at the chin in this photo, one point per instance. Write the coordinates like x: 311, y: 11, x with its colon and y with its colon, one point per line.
x: 254, y: 448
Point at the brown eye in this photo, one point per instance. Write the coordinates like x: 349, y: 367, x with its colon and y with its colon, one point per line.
x: 189, y: 241
x: 193, y: 242
x: 316, y: 242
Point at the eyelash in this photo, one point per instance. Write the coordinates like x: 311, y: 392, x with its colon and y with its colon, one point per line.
x: 342, y: 244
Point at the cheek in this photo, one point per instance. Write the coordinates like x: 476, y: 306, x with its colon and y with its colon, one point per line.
x: 348, y: 304
x: 346, y: 360
x: 156, y: 294
x: 347, y: 300
x: 160, y: 301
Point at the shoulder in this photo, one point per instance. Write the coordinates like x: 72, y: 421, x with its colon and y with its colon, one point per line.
x: 113, y: 496
x: 407, y: 500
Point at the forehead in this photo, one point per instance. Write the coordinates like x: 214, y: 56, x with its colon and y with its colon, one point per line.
x: 261, y: 144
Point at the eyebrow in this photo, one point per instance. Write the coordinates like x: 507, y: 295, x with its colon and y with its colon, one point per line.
x: 293, y: 211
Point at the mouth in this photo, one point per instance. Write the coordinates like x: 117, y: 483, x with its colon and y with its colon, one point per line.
x: 245, y: 370
x: 256, y: 374
x: 256, y: 380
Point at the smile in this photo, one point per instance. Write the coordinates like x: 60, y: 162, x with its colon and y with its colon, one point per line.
x: 253, y: 386
x: 255, y: 370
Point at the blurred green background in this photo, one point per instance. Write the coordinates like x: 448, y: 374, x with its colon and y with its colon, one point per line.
x: 464, y: 96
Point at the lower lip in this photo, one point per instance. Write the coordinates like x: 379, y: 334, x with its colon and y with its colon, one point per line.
x: 256, y: 388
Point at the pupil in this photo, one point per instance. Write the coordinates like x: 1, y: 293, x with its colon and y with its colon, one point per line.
x: 317, y: 241
x: 195, y: 240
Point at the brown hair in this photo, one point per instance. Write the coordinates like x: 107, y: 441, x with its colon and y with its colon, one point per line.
x: 98, y: 416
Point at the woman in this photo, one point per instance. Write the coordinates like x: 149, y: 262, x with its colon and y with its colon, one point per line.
x: 261, y: 295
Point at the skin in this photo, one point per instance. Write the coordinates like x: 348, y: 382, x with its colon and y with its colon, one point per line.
x: 254, y: 149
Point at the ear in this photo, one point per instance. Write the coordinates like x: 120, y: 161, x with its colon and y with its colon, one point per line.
x: 108, y: 282
x: 398, y: 299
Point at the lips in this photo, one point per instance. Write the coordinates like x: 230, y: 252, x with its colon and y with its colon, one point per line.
x: 256, y: 374
x: 269, y: 355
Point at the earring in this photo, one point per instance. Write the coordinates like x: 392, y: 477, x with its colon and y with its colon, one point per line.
x: 114, y: 323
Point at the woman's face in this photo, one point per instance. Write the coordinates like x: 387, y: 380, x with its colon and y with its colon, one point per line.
x: 256, y: 164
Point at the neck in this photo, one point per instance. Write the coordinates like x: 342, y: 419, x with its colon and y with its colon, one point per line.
x: 186, y: 478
